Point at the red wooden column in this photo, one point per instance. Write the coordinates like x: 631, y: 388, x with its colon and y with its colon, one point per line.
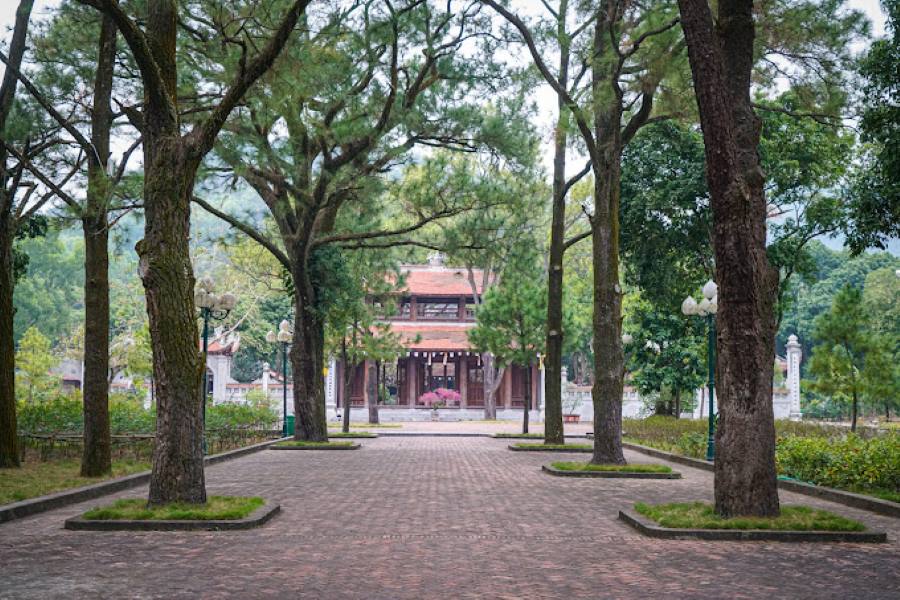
x: 412, y: 377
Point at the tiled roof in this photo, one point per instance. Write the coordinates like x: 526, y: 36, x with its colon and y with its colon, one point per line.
x: 439, y: 281
x: 433, y: 336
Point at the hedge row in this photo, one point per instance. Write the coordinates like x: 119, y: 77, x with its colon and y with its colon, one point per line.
x: 127, y: 414
x: 828, y: 455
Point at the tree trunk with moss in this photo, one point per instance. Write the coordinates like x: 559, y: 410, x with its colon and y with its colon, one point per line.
x: 372, y: 390
x: 307, y: 355
x: 9, y: 440
x: 96, y: 459
x: 721, y: 58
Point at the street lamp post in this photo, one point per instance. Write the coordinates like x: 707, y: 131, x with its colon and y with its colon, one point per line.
x: 283, y: 337
x: 212, y: 306
x: 707, y: 308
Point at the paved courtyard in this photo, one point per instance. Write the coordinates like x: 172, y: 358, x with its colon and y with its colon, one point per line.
x: 427, y: 517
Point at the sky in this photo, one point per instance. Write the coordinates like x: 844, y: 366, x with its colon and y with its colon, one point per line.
x: 544, y: 97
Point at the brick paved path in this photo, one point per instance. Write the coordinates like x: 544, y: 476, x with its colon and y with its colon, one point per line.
x: 435, y: 518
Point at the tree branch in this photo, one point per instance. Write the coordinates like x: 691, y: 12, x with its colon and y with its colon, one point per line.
x: 248, y: 230
x: 574, y: 240
x: 206, y: 131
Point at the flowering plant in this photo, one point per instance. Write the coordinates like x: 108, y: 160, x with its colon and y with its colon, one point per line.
x: 447, y: 396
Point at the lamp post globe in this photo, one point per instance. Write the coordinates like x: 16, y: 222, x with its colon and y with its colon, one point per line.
x: 216, y: 307
x: 283, y: 337
x: 707, y: 307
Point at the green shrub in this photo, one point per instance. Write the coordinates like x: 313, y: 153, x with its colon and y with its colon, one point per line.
x: 692, y: 444
x: 59, y: 413
x: 850, y: 463
x: 239, y: 416
x: 128, y: 415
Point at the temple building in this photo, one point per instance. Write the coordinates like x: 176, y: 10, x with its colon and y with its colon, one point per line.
x: 436, y: 310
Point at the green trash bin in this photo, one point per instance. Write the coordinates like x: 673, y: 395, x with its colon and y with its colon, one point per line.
x: 290, y: 424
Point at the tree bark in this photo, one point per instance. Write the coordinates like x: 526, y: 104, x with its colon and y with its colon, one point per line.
x: 553, y: 419
x: 96, y: 459
x: 526, y: 404
x: 492, y: 379
x: 854, y: 410
x: 609, y: 358
x: 372, y: 394
x: 307, y: 356
x: 347, y: 377
x: 9, y: 439
x: 721, y: 58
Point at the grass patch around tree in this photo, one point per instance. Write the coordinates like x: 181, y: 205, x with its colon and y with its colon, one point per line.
x: 312, y: 445
x: 352, y: 434
x: 527, y: 436
x: 699, y: 515
x: 216, y: 508
x: 630, y: 468
x: 530, y: 446
x: 35, y: 478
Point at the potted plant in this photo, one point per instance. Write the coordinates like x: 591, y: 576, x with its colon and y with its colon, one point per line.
x: 432, y: 401
x: 571, y: 404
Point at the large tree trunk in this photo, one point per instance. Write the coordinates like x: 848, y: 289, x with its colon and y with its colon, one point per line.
x: 372, y: 390
x: 553, y: 419
x: 346, y: 379
x: 492, y: 378
x: 526, y: 404
x: 721, y: 57
x: 168, y: 277
x: 9, y: 439
x: 307, y: 357
x: 96, y: 459
x: 609, y: 359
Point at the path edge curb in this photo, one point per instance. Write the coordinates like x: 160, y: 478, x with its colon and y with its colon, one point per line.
x: 875, y: 505
x: 608, y: 474
x: 33, y: 506
x: 257, y: 518
x: 748, y: 535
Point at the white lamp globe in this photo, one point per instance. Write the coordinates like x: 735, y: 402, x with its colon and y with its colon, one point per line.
x: 714, y: 305
x: 227, y: 301
x: 710, y: 289
x: 284, y: 326
x: 627, y: 338
x: 208, y: 284
x: 689, y: 306
x: 271, y: 337
x: 284, y: 336
x: 704, y: 308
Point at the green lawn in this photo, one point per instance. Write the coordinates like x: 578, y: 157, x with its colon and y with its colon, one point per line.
x: 302, y: 444
x: 698, y: 515
x: 35, y: 479
x: 556, y: 446
x: 632, y: 468
x: 216, y: 507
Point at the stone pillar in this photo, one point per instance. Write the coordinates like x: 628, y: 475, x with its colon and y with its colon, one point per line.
x: 794, y: 355
x: 542, y: 382
x: 265, y: 380
x: 331, y: 387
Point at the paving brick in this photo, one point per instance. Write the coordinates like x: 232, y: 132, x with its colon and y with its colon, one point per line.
x: 428, y: 517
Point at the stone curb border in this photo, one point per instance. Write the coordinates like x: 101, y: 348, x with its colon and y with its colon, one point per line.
x: 257, y: 518
x: 33, y: 506
x: 609, y: 474
x: 876, y: 505
x: 326, y: 448
x: 352, y: 436
x: 651, y: 529
x: 542, y: 448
